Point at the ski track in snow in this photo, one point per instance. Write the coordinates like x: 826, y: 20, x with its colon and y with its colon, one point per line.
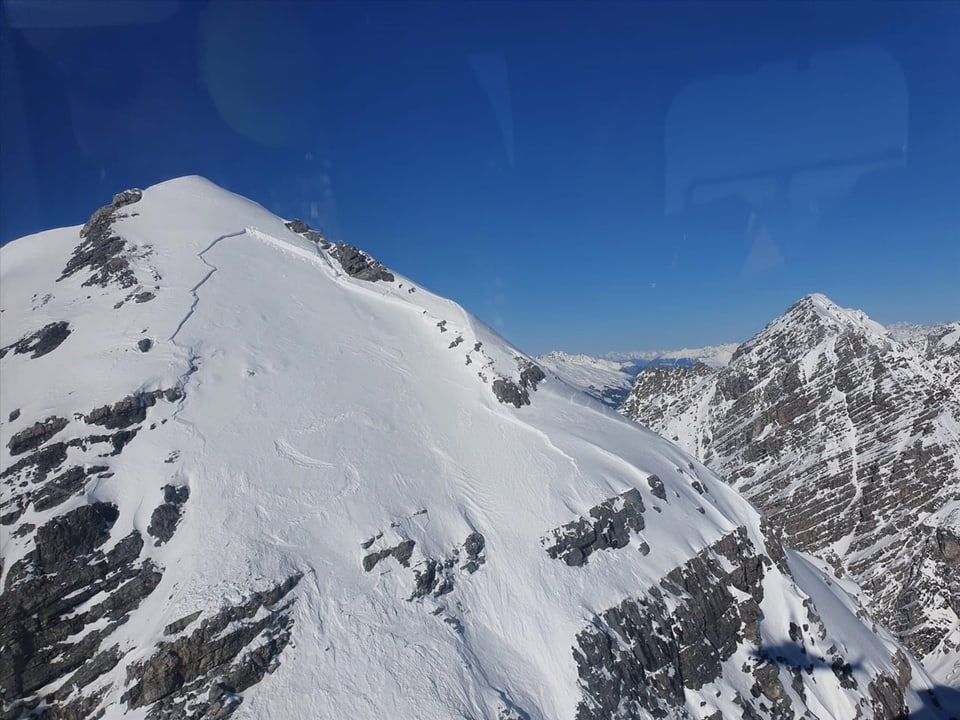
x: 288, y: 452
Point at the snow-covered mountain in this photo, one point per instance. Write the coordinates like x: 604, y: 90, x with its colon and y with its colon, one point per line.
x: 938, y: 344
x: 849, y: 440
x: 712, y: 355
x: 248, y: 472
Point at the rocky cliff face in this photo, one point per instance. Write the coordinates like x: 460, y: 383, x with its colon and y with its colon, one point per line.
x: 849, y: 440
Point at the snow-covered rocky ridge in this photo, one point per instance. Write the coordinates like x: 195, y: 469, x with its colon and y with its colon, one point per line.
x: 248, y: 472
x: 849, y: 439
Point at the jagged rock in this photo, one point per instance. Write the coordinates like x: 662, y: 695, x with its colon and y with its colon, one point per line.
x: 948, y: 546
x: 43, y: 341
x: 844, y: 672
x: 163, y: 522
x: 836, y: 431
x: 656, y: 487
x: 39, y: 464
x: 145, y: 344
x: 530, y: 374
x: 473, y: 548
x: 127, y: 197
x: 436, y: 577
x: 358, y: 264
x: 178, y: 626
x: 613, y: 522
x: 514, y: 393
x: 226, y: 654
x: 318, y: 238
x: 36, y: 435
x: 474, y: 544
x: 75, y: 533
x: 130, y: 410
x: 62, y: 487
x: 166, y: 517
x: 424, y: 579
x: 101, y: 251
x: 637, y: 658
x: 509, y: 393
x: 401, y: 553
x: 43, y: 591
x: 301, y: 228
x: 176, y: 494
x: 298, y: 226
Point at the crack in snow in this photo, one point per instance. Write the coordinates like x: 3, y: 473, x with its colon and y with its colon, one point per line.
x: 195, y: 288
x: 192, y: 357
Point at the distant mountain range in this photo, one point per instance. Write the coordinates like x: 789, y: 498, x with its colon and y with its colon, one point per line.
x: 712, y: 355
x: 610, y: 378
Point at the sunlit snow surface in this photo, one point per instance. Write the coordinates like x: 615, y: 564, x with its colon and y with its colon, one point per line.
x: 321, y: 410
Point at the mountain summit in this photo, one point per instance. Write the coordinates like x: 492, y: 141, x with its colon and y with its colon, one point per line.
x: 248, y: 471
x: 849, y: 439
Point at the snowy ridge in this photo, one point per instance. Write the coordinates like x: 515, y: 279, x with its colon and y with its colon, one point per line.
x: 712, y: 355
x: 254, y: 485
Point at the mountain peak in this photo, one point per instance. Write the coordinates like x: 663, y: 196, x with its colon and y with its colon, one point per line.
x: 832, y: 315
x: 204, y: 375
x: 806, y: 325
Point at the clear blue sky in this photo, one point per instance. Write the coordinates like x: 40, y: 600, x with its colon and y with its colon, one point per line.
x: 590, y: 177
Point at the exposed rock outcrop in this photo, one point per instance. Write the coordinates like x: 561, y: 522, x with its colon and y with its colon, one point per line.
x: 130, y: 410
x: 517, y: 392
x: 36, y: 435
x: 166, y: 517
x: 201, y: 675
x: 46, y: 600
x: 638, y: 659
x: 358, y: 264
x: 102, y: 251
x: 610, y: 525
x: 43, y: 341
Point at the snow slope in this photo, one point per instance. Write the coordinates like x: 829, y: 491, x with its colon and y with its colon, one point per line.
x: 323, y: 423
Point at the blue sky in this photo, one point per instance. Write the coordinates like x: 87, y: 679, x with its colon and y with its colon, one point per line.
x: 591, y: 177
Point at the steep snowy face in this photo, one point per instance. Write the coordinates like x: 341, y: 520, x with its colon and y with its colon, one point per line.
x: 850, y: 441
x: 608, y: 381
x: 248, y: 471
